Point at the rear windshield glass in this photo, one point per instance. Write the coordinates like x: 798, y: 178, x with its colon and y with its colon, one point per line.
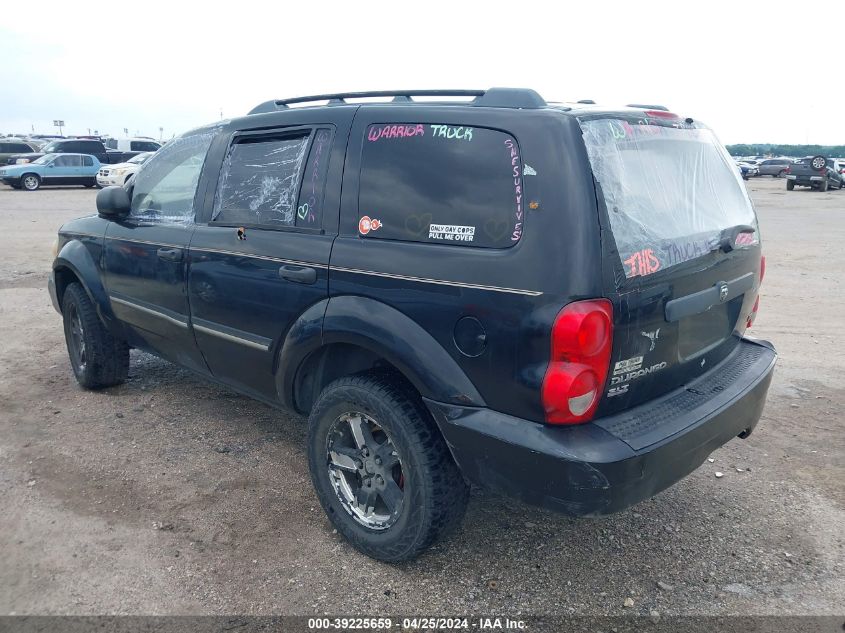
x: 670, y: 192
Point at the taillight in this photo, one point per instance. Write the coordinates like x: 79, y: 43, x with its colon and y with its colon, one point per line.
x: 582, y: 337
x: 749, y: 320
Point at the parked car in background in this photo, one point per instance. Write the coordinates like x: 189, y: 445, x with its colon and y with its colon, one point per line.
x: 816, y: 172
x: 52, y: 169
x: 122, y: 172
x: 12, y: 146
x: 91, y: 147
x: 747, y: 170
x: 777, y: 167
x: 137, y: 144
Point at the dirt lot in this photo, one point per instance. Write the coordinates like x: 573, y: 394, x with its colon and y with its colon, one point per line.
x: 170, y: 495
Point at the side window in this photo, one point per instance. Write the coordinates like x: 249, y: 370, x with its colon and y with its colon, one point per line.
x: 260, y: 180
x: 441, y: 184
x: 111, y: 143
x: 87, y: 161
x: 164, y: 190
x: 68, y: 160
x: 309, y: 209
x: 143, y: 146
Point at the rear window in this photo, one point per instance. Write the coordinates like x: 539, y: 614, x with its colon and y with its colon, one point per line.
x: 441, y: 184
x: 670, y: 192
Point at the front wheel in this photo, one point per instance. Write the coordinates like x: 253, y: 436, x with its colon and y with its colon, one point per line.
x: 790, y: 185
x: 98, y: 358
x: 31, y: 182
x: 381, y: 469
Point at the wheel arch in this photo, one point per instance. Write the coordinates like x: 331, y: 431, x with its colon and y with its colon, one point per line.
x: 346, y: 335
x: 74, y: 263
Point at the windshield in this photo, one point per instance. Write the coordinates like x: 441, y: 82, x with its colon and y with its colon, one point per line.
x: 140, y: 158
x: 44, y: 160
x: 51, y: 147
x: 670, y: 192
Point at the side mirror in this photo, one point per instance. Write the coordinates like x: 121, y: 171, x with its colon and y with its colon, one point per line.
x: 113, y: 203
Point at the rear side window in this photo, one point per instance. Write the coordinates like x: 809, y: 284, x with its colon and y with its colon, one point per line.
x: 260, y: 181
x: 441, y: 184
x: 309, y: 210
x: 87, y: 161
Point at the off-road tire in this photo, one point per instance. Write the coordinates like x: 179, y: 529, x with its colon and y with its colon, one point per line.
x: 435, y: 493
x: 106, y: 357
x: 790, y: 185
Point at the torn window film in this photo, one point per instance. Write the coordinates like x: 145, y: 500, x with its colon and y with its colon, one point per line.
x: 165, y: 187
x: 260, y: 181
x: 670, y: 191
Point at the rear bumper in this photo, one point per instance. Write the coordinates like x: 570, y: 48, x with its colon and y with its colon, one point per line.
x: 610, y: 464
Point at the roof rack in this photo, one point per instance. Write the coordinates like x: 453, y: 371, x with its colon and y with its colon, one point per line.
x: 647, y: 106
x: 493, y: 98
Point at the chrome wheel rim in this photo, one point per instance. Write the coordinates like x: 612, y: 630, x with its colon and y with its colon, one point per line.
x: 30, y: 182
x: 76, y: 339
x: 365, y: 470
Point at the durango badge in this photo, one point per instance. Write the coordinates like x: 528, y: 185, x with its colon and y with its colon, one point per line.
x: 367, y: 224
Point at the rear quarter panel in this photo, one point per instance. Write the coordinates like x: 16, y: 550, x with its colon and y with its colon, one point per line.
x: 515, y: 293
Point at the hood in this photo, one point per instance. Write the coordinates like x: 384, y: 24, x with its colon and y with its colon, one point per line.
x: 31, y: 156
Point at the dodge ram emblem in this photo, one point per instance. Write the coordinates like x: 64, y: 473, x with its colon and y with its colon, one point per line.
x: 723, y: 292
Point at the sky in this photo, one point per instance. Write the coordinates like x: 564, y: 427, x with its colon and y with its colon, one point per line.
x: 754, y: 72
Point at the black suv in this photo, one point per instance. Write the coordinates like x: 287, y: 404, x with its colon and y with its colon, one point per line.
x: 531, y: 297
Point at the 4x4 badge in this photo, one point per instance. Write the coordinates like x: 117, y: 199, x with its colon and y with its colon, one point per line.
x: 723, y: 292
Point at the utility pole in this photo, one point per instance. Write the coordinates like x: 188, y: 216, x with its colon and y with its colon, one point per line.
x: 160, y: 133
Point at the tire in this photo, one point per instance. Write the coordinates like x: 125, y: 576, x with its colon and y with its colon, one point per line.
x: 30, y: 182
x: 790, y: 185
x: 98, y: 358
x: 429, y: 495
x: 781, y: 173
x: 818, y: 162
x: 823, y: 185
x: 127, y: 178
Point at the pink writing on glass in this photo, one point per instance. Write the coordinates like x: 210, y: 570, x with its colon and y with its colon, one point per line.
x: 377, y: 132
x: 311, y: 206
x: 517, y: 185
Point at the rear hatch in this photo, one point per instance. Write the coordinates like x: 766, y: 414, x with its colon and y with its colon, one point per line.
x: 681, y: 250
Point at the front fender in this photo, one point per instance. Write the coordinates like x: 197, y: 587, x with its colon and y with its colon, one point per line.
x: 76, y: 258
x: 403, y: 343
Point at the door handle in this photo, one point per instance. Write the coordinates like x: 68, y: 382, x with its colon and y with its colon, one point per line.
x: 170, y: 254
x: 298, y: 274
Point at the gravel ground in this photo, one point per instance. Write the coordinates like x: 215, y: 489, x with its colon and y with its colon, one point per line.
x: 168, y: 495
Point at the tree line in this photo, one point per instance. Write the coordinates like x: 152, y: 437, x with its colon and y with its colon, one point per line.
x: 765, y: 149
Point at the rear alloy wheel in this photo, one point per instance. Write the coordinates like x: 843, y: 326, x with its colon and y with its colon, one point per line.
x: 781, y: 173
x: 30, y: 182
x: 380, y: 467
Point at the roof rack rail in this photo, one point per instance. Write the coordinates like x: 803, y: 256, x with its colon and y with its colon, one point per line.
x: 647, y: 106
x: 494, y: 97
x: 587, y: 101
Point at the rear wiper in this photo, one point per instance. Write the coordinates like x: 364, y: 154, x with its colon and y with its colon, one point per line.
x: 727, y: 238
